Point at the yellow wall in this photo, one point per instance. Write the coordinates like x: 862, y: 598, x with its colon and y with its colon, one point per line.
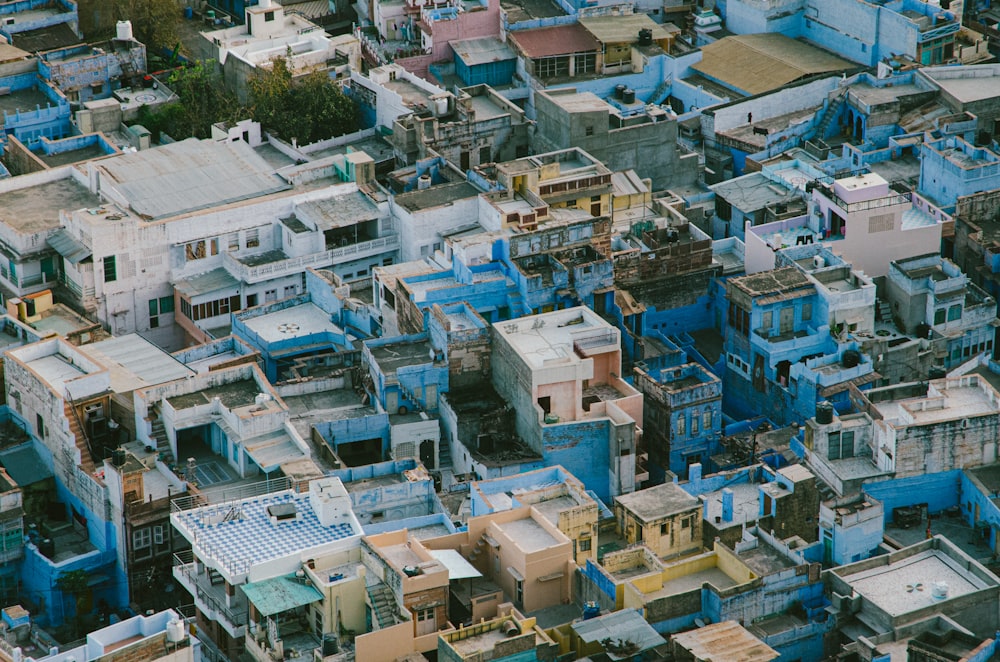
x: 385, y: 645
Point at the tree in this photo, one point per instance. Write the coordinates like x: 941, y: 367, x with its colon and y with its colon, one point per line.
x: 203, y: 101
x: 77, y: 584
x: 154, y: 21
x: 307, y: 108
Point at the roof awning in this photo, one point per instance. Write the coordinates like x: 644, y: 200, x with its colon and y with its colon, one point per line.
x: 278, y: 594
x: 68, y: 246
x: 270, y: 451
x: 455, y: 563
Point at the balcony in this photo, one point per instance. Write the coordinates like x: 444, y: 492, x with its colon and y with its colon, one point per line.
x: 875, y: 203
x: 209, y: 591
x: 283, y: 266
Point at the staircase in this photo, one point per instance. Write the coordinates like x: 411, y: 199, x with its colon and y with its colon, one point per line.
x: 479, y: 548
x: 831, y: 112
x: 444, y: 456
x: 76, y: 429
x: 660, y: 93
x: 883, y: 312
x: 383, y: 605
x: 159, y: 435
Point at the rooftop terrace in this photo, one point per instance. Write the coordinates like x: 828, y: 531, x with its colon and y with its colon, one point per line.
x: 36, y: 208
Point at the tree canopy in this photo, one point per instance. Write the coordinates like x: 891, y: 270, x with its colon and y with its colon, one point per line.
x: 154, y: 21
x: 306, y: 109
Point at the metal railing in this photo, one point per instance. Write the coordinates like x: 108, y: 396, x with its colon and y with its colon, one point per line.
x: 258, y: 273
x: 187, y: 573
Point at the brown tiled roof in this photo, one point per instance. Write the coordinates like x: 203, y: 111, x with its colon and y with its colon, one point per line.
x: 558, y: 40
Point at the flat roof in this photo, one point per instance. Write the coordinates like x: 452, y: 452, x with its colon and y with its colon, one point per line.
x: 906, y: 585
x: 188, y: 176
x: 775, y: 281
x: 746, y: 504
x: 724, y: 641
x: 757, y: 63
x: 482, y: 50
x: 528, y: 534
x: 298, y: 321
x: 134, y: 362
x: 558, y: 40
x: 55, y: 371
x: 967, y: 84
x: 624, y: 29
x: 36, y: 208
x: 657, y: 502
x: 250, y: 537
x: 47, y: 38
x: 945, y: 400
x: 751, y: 192
x: 436, y: 196
x: 541, y: 339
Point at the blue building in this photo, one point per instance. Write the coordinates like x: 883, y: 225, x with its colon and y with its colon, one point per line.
x: 951, y: 167
x: 23, y: 16
x: 682, y: 416
x: 322, y: 323
x: 484, y: 60
x: 860, y: 31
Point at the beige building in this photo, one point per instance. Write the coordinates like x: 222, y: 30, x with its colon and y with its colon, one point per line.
x: 665, y: 518
x: 522, y: 552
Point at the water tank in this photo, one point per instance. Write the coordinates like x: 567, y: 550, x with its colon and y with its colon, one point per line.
x: 591, y: 610
x: 824, y: 413
x: 510, y: 628
x: 440, y: 105
x: 123, y: 31
x: 851, y: 358
x: 937, y: 372
x: 175, y: 630
x: 261, y: 398
x: 939, y: 590
x: 645, y: 37
x: 628, y: 96
x: 118, y: 457
x: 819, y: 261
x: 423, y: 182
x: 620, y: 91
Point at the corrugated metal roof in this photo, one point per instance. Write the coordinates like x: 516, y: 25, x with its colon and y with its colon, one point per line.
x: 68, y: 246
x: 188, y: 176
x: 625, y: 29
x: 626, y: 625
x: 134, y: 362
x: 483, y: 50
x: 206, y: 283
x: 757, y: 63
x: 558, y: 40
x: 339, y: 212
x: 725, y: 641
x: 273, y: 596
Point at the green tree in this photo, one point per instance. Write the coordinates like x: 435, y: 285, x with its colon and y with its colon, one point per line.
x: 154, y: 21
x: 202, y: 101
x: 76, y: 583
x: 306, y: 108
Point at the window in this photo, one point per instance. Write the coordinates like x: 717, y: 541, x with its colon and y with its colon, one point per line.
x: 585, y: 544
x: 253, y: 238
x: 955, y: 312
x: 807, y: 312
x: 665, y: 529
x: 141, y: 538
x: 549, y: 67
x: 939, y: 316
x: 706, y: 420
x: 589, y: 131
x: 40, y: 425
x: 234, y: 242
x: 268, y: 16
x: 163, y: 305
x: 270, y: 295
x: 681, y: 426
x: 519, y: 591
x: 110, y: 269
x: 425, y: 614
x: 205, y: 310
x: 766, y: 321
x: 158, y: 534
x: 694, y: 422
x: 840, y: 445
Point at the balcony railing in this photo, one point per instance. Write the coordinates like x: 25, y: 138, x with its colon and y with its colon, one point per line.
x: 210, y: 598
x: 876, y: 203
x: 262, y: 272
